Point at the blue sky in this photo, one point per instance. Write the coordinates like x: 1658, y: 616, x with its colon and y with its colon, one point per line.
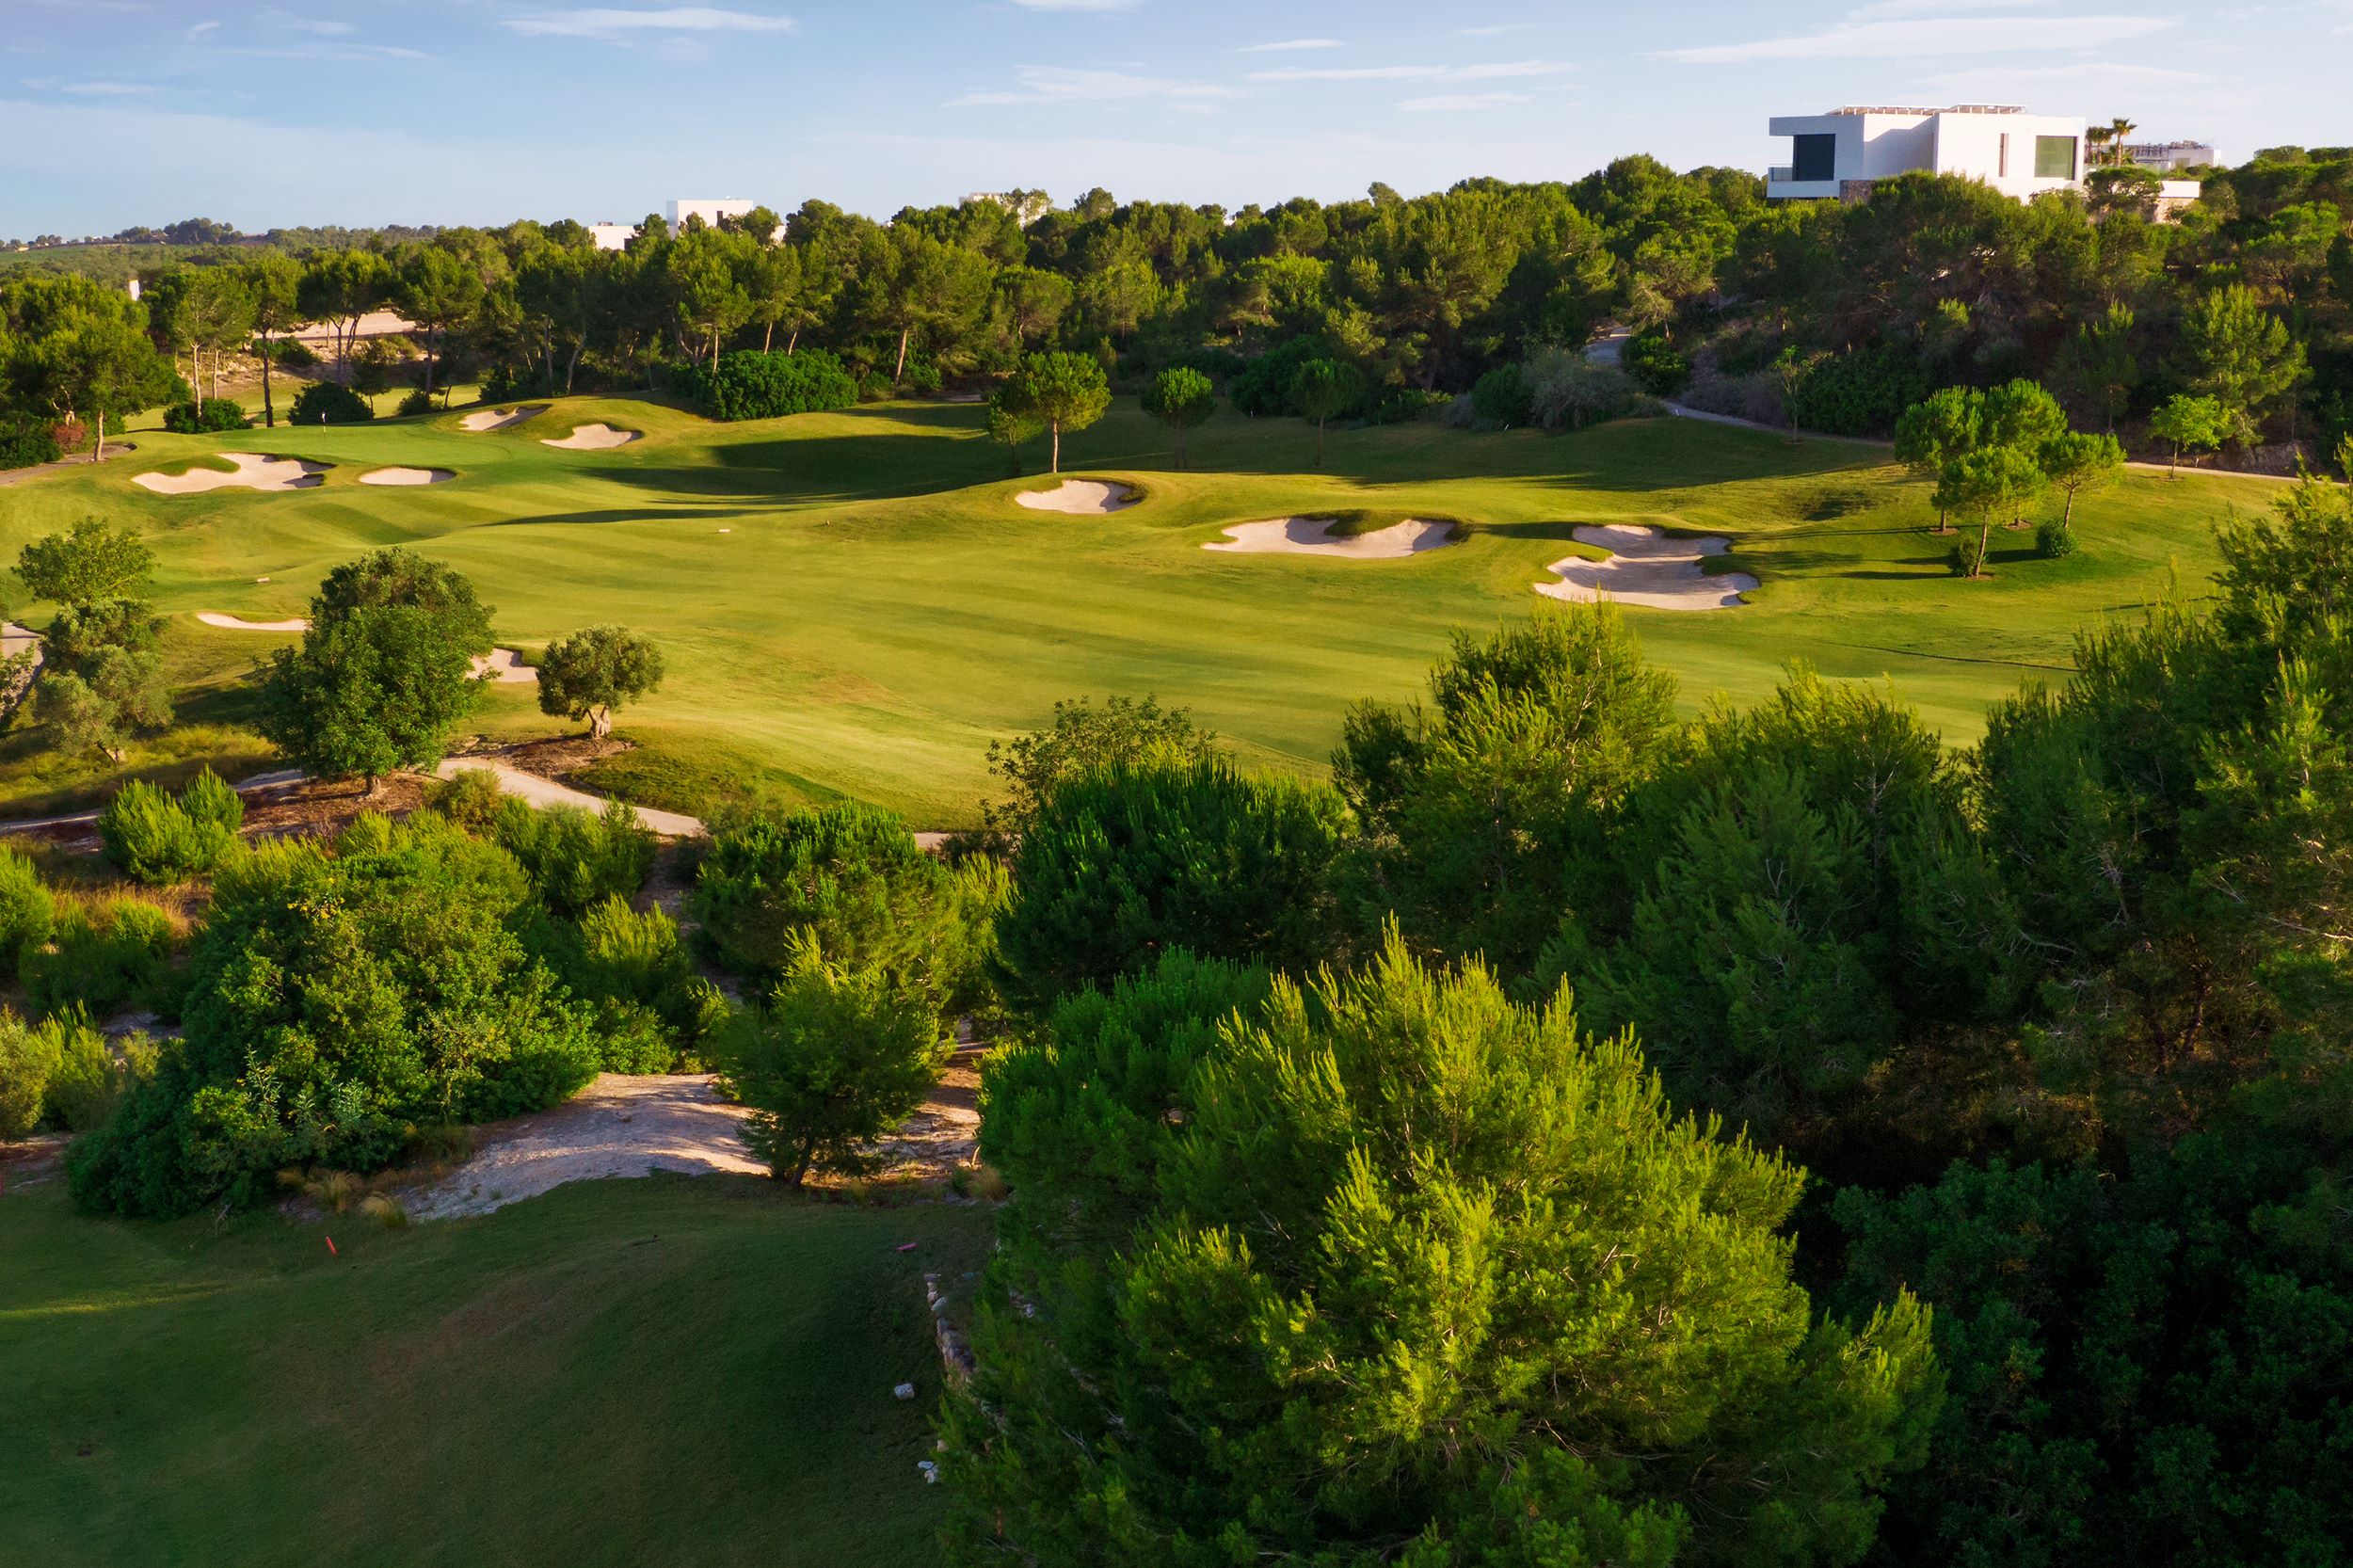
x: 115, y: 112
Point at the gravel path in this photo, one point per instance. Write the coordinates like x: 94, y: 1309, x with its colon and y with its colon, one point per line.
x: 547, y: 791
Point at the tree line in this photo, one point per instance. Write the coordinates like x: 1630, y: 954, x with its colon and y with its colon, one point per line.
x: 1827, y: 316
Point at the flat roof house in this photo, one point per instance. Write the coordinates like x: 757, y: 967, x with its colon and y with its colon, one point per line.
x: 1841, y: 155
x: 2164, y: 157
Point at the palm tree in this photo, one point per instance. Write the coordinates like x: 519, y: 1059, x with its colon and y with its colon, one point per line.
x: 2118, y: 129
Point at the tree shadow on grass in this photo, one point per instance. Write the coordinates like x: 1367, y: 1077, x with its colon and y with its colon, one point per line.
x: 630, y: 513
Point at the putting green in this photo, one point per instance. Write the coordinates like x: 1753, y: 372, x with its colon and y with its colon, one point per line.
x: 853, y: 605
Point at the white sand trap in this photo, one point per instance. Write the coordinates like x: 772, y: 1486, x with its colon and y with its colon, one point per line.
x: 1648, y: 568
x: 591, y: 438
x: 409, y: 476
x: 507, y: 667
x: 238, y: 623
x: 1313, y: 537
x: 497, y: 419
x: 1079, y: 498
x: 253, y: 471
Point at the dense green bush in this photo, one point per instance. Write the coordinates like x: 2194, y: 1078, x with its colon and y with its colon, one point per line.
x: 219, y: 413
x: 1121, y: 863
x: 1499, y: 398
x: 1860, y: 393
x: 1655, y: 365
x: 29, y: 1059
x: 632, y: 968
x: 93, y: 1074
x: 412, y: 403
x: 26, y: 909
x: 25, y: 440
x: 753, y: 385
x: 1433, y: 1252
x: 853, y: 880
x: 1262, y: 390
x: 329, y: 403
x: 2053, y: 540
x: 829, y: 1061
x: 103, y: 957
x: 159, y: 841
x: 576, y: 860
x: 339, y: 999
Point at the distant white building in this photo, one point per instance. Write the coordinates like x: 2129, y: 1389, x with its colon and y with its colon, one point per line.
x: 2163, y: 157
x: 1840, y: 155
x: 611, y: 236
x: 710, y: 210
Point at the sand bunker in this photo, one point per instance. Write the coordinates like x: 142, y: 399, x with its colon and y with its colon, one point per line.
x: 1648, y: 568
x: 253, y: 471
x: 507, y: 667
x: 409, y: 476
x: 497, y: 419
x: 1313, y: 537
x: 591, y: 438
x: 238, y: 623
x: 1079, y: 497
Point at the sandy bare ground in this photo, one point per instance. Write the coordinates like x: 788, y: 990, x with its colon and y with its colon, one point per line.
x: 617, y: 1127
x: 15, y: 639
x: 591, y: 438
x: 1313, y: 537
x: 238, y: 623
x: 1079, y: 498
x: 1646, y: 567
x: 253, y: 471
x: 375, y: 324
x: 497, y: 419
x: 409, y: 476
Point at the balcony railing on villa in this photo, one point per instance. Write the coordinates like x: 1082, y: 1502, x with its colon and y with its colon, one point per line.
x: 1781, y: 174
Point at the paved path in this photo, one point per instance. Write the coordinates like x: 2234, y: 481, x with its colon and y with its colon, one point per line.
x: 73, y: 819
x: 117, y: 447
x: 544, y: 791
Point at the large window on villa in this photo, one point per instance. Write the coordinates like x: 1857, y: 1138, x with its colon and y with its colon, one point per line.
x: 2055, y: 157
x: 1813, y: 157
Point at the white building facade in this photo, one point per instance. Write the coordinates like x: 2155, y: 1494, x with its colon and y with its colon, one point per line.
x: 2164, y: 157
x: 1840, y: 155
x: 709, y: 209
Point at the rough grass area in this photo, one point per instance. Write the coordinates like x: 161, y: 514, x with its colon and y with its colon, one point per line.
x: 692, y: 1372
x: 851, y: 605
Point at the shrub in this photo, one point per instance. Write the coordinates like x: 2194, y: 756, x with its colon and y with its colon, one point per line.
x: 294, y: 353
x: 101, y: 958
x: 2053, y: 540
x: 470, y: 798
x: 632, y: 967
x: 850, y: 878
x: 1262, y: 389
x: 1654, y: 364
x: 1121, y: 864
x: 28, y: 1060
x: 1966, y: 559
x: 1567, y: 388
x: 219, y: 413
x: 337, y: 1001
x: 1499, y: 398
x: 159, y: 841
x: 26, y: 910
x: 90, y: 1080
x: 416, y: 402
x: 1861, y: 393
x: 754, y: 385
x: 575, y: 859
x: 328, y: 403
x: 25, y: 441
x: 833, y: 1059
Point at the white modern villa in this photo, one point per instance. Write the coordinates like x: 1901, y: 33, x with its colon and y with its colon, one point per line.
x: 615, y: 236
x: 1839, y: 155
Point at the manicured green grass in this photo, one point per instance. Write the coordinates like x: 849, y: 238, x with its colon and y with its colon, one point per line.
x: 877, y: 609
x: 666, y: 1370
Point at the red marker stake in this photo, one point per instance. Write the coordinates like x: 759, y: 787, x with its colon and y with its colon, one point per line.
x: 330, y: 1248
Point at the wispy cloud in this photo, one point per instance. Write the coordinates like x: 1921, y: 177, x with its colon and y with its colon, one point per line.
x: 1461, y: 103
x: 287, y: 22
x: 1880, y: 10
x: 87, y: 89
x: 1289, y: 44
x: 1077, y: 4
x: 1931, y: 38
x: 612, y: 24
x: 1055, y: 84
x: 1495, y: 29
x: 203, y: 26
x: 1492, y: 71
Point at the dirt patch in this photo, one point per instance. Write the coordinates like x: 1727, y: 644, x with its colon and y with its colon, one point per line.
x: 311, y: 808
x: 1646, y: 567
x: 1079, y: 498
x: 1314, y: 536
x: 31, y: 1161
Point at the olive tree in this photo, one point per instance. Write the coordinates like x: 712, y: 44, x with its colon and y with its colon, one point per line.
x: 594, y: 670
